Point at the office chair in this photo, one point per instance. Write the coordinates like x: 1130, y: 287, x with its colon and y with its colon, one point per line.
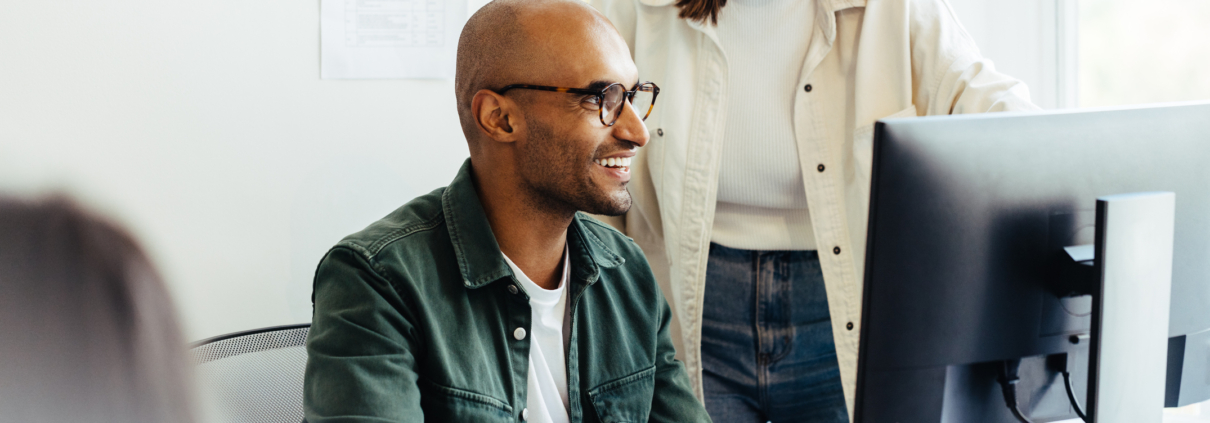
x: 254, y: 376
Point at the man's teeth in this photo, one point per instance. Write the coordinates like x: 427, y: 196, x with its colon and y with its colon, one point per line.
x: 614, y: 162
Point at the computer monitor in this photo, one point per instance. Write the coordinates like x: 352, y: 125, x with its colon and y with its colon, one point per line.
x: 966, y: 267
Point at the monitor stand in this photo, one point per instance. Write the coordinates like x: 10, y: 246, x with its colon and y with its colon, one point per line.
x: 1129, y: 339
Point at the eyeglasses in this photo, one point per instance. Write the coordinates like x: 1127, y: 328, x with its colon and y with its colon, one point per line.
x: 609, y: 100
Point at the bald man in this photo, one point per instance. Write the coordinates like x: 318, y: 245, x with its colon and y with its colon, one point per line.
x: 495, y: 299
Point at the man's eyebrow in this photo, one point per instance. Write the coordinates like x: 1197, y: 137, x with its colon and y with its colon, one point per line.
x: 598, y: 85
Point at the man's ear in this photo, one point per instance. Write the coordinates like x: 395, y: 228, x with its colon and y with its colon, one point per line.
x: 496, y: 115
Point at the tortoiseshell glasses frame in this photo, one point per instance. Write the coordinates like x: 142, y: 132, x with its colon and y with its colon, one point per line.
x: 608, y: 99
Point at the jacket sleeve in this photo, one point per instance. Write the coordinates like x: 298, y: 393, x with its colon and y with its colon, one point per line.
x: 949, y: 74
x: 674, y: 400
x: 359, y: 362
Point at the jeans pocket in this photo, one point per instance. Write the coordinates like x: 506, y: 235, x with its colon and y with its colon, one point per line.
x: 626, y: 399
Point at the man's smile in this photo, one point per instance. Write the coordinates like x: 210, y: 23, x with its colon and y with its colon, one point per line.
x: 617, y: 166
x: 615, y: 162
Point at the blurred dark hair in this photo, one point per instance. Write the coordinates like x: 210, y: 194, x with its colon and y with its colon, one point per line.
x: 699, y: 10
x: 87, y: 328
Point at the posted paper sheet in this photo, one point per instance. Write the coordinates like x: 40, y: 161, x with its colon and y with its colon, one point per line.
x: 380, y: 39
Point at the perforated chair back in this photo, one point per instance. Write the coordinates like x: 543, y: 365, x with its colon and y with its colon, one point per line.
x: 254, y: 376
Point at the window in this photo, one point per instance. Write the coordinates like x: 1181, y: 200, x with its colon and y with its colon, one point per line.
x: 1133, y: 52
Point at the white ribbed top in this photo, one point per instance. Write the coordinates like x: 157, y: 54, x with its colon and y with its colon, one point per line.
x: 762, y: 203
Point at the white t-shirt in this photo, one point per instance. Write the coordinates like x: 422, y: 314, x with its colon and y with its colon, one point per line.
x: 547, y: 398
x: 762, y: 199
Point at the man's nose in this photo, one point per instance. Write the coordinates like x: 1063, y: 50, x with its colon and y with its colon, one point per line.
x: 630, y: 126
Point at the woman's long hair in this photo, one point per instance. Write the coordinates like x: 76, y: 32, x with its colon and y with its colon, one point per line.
x: 87, y: 328
x: 699, y: 10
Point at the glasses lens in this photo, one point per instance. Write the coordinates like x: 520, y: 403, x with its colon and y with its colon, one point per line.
x: 643, y: 99
x: 613, y: 103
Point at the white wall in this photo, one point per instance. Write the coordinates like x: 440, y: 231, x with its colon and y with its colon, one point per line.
x: 204, y: 127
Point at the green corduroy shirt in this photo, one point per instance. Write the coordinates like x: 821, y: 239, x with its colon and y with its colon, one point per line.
x: 416, y: 320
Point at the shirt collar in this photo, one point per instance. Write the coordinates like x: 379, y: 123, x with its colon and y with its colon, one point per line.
x: 825, y: 17
x: 478, y: 253
x: 832, y: 5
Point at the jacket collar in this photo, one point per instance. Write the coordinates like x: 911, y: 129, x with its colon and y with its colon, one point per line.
x: 478, y: 253
x: 590, y: 249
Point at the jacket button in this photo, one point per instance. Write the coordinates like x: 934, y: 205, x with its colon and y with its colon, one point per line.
x: 820, y: 167
x: 519, y: 333
x: 849, y: 326
x: 835, y: 250
x: 525, y: 414
x: 512, y: 289
x: 659, y: 131
x: 807, y: 88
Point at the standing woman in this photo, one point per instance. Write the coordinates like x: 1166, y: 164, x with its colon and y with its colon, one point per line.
x: 751, y: 200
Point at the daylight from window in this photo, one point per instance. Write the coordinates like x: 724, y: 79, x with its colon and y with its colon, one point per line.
x: 1134, y: 51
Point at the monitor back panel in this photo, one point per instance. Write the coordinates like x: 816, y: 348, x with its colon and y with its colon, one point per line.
x: 969, y: 216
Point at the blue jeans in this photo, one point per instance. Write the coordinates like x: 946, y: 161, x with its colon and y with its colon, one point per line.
x: 767, y: 349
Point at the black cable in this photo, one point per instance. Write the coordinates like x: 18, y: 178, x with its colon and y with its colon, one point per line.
x: 1008, y: 384
x: 1071, y: 396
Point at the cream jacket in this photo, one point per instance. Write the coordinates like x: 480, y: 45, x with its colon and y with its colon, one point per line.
x: 868, y: 60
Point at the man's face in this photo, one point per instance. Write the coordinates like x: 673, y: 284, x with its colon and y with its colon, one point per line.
x: 564, y: 157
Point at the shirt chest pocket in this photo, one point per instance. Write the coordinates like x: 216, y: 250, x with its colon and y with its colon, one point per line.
x: 445, y: 404
x: 625, y: 400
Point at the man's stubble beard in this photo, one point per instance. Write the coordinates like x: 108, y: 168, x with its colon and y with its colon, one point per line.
x: 559, y: 181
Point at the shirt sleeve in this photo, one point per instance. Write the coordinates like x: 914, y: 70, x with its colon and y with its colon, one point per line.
x: 949, y: 73
x: 674, y: 400
x: 360, y: 366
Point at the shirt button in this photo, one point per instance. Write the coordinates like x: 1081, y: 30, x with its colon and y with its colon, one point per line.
x: 849, y: 326
x: 807, y: 88
x: 519, y: 333
x: 835, y: 250
x: 659, y: 131
x: 820, y: 167
x: 512, y: 289
x: 525, y: 414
